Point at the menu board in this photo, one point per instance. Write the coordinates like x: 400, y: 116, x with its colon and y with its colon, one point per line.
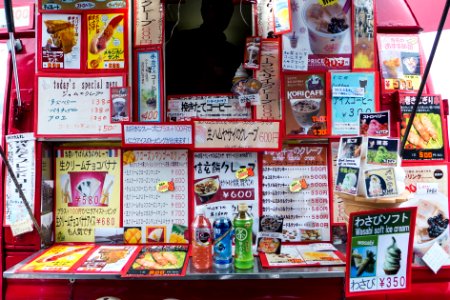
x: 62, y: 5
x: 60, y: 42
x: 163, y: 135
x: 106, y: 259
x: 428, y: 186
x: 306, y: 112
x: 338, y: 202
x: 269, y: 76
x: 310, y: 46
x: 223, y: 180
x: 351, y: 94
x: 87, y: 192
x: 107, y: 41
x: 154, y: 214
x: 21, y: 154
x: 148, y: 22
x: 184, y: 108
x: 308, y: 209
x: 75, y: 106
x: 426, y: 139
x: 379, y: 252
x: 58, y: 258
x: 399, y: 56
x: 364, y: 52
x: 149, y: 85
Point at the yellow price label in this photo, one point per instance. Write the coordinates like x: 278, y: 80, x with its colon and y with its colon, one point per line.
x: 165, y: 186
x: 328, y: 2
x: 297, y: 185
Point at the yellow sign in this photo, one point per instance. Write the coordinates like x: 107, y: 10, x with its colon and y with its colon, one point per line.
x: 165, y: 186
x: 297, y: 185
x: 328, y: 2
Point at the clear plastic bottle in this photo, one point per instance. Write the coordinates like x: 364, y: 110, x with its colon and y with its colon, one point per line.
x: 243, y: 224
x: 201, y: 240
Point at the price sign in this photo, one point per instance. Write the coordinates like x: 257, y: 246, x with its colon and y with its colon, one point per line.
x: 165, y: 135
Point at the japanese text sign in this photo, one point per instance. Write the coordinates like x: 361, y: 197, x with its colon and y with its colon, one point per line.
x: 162, y: 134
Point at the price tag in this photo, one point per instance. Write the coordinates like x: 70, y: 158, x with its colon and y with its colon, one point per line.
x: 435, y: 257
x: 328, y: 2
x: 244, y: 173
x: 21, y: 227
x: 297, y: 185
x: 165, y: 186
x: 427, y: 188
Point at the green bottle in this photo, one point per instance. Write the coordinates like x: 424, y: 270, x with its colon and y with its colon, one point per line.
x: 243, y: 223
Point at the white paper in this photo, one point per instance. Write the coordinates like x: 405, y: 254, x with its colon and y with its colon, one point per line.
x: 436, y: 257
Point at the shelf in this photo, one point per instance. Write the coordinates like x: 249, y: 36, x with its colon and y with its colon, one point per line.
x: 230, y: 274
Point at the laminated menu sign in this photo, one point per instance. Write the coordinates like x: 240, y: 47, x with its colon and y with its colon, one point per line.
x: 226, y: 106
x: 374, y: 124
x: 269, y: 76
x: 426, y: 139
x: 351, y: 94
x: 379, y: 252
x: 320, y: 38
x: 223, y: 180
x: 306, y: 112
x: 265, y: 20
x: 149, y: 86
x: 60, y: 42
x: 305, y: 211
x: 59, y: 258
x: 87, y: 190
x: 75, y: 106
x: 152, y: 214
x: 158, y: 260
x: 63, y: 5
x: 21, y: 151
x: 148, y: 22
x: 428, y: 186
x: 338, y: 202
x: 157, y: 135
x: 106, y: 34
x: 106, y: 259
x: 399, y: 56
x: 364, y: 52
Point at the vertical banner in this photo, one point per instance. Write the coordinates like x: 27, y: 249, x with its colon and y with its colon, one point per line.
x: 87, y: 192
x: 148, y: 21
x: 269, y: 76
x: 155, y: 195
x: 295, y: 186
x: 265, y: 20
x: 379, y: 252
x: 21, y: 154
x: 364, y: 53
x: 338, y: 203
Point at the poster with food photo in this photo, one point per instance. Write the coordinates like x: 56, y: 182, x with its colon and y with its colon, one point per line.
x: 305, y: 105
x: 106, y: 41
x: 374, y: 124
x: 320, y: 37
x: 364, y: 30
x: 60, y: 42
x: 426, y: 139
x: 106, y: 259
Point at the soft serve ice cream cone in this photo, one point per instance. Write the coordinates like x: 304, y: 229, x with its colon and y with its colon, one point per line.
x: 392, y: 259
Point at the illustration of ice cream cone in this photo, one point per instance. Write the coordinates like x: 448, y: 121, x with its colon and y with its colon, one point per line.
x: 392, y: 259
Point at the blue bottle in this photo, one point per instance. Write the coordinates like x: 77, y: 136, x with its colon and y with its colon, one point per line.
x: 223, y: 256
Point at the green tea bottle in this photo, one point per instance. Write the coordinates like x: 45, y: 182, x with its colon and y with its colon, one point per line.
x: 243, y: 224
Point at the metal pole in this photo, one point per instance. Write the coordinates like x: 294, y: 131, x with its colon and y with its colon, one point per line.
x: 425, y: 76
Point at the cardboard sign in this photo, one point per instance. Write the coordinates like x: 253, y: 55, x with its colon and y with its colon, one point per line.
x: 152, y: 212
x: 379, y: 252
x: 64, y: 5
x: 148, y: 21
x: 364, y: 31
x: 166, y: 135
x: 75, y: 106
x: 234, y: 135
x: 87, y: 192
x: 308, y: 209
x: 426, y: 139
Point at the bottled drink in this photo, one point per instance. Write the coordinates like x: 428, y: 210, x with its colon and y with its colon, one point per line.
x: 201, y: 241
x: 243, y: 224
x: 223, y: 256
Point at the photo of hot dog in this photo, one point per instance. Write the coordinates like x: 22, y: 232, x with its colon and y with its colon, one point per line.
x: 99, y: 42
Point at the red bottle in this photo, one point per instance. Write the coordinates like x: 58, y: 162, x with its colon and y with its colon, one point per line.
x: 201, y: 240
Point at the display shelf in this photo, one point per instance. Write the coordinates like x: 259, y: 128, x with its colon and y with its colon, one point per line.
x: 212, y: 274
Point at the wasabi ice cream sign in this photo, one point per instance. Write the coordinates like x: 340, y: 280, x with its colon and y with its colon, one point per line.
x: 379, y: 253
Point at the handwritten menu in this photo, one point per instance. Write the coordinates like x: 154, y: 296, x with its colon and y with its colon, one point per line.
x: 21, y: 151
x: 364, y: 54
x: 308, y: 209
x: 399, y: 56
x: 264, y: 17
x: 148, y: 22
x: 269, y: 76
x: 425, y: 140
x: 60, y: 42
x: 75, y: 106
x: 106, y: 259
x: 162, y: 134
x: 305, y: 104
x: 80, y: 4
x: 155, y: 212
x: 250, y: 135
x: 338, y: 202
x: 106, y: 34
x: 311, y: 47
x: 149, y: 93
x: 223, y: 180
x: 379, y: 251
x: 352, y: 94
x: 87, y: 192
x: 183, y: 108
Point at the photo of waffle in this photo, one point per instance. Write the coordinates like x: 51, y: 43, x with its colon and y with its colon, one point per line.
x: 426, y: 131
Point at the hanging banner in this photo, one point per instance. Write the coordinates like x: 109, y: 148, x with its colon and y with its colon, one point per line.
x: 148, y: 22
x: 87, y: 192
x: 21, y: 154
x: 379, y: 252
x: 364, y: 30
